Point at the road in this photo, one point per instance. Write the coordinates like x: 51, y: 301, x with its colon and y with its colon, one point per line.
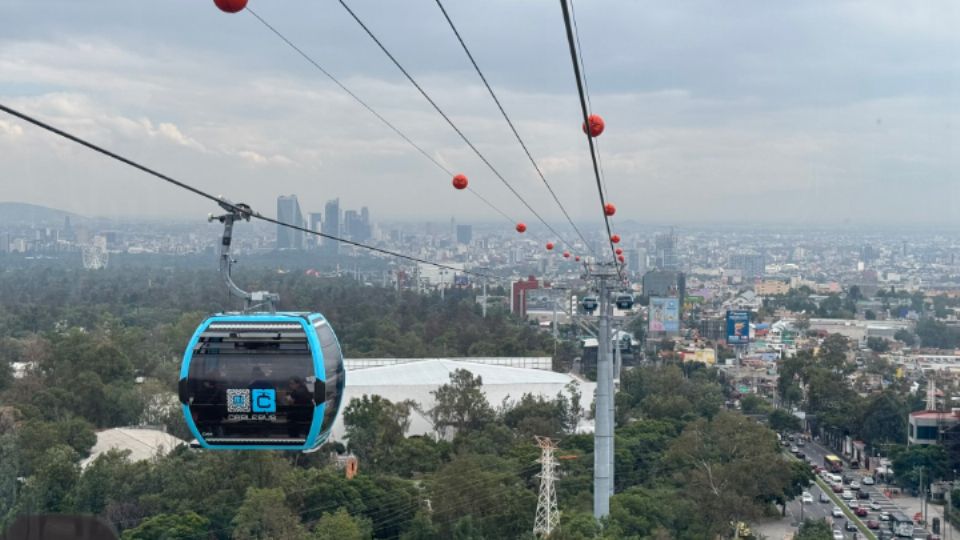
x: 815, y: 453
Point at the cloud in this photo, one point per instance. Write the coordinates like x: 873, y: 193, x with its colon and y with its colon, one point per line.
x: 712, y: 111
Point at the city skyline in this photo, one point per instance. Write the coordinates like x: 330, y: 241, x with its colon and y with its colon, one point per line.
x: 844, y: 135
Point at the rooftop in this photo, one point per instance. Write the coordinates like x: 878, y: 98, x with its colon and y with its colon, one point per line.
x: 437, y: 372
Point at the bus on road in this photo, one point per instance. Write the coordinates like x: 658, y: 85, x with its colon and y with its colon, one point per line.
x: 832, y: 463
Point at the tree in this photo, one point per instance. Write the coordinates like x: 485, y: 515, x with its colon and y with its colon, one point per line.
x: 814, y: 530
x: 754, y: 404
x: 185, y: 526
x: 870, y: 315
x: 375, y: 427
x: 486, y: 489
x: 781, y: 420
x: 908, y: 463
x: 730, y: 466
x: 878, y: 344
x: 340, y: 525
x: 906, y: 337
x: 50, y: 488
x: 833, y: 352
x: 264, y: 515
x: 885, y: 419
x: 461, y: 404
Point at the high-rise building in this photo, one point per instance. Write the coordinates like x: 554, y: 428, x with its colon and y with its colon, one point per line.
x: 331, y: 226
x: 352, y: 226
x: 464, y: 234
x: 665, y: 283
x: 666, y: 245
x: 752, y: 265
x: 316, y: 221
x: 288, y: 211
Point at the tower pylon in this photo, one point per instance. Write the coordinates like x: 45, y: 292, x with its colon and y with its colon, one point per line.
x: 548, y: 516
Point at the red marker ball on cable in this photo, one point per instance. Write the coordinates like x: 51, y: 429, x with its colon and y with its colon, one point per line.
x: 609, y: 209
x: 549, y: 246
x: 596, y: 125
x: 618, y: 251
x: 566, y: 254
x: 521, y: 227
x: 577, y: 258
x: 460, y: 181
x: 620, y: 258
x: 230, y: 6
x: 615, y: 238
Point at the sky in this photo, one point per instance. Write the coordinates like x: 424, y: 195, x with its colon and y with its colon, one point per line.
x: 738, y: 111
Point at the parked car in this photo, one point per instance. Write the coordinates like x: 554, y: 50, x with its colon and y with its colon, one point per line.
x: 837, y: 534
x: 850, y: 526
x: 794, y: 449
x: 847, y: 494
x: 807, y: 498
x: 868, y: 480
x: 861, y: 512
x: 801, y: 455
x: 800, y: 442
x: 837, y: 512
x: 874, y: 505
x: 863, y: 494
x: 855, y: 485
x: 854, y: 465
x: 837, y: 488
x: 824, y: 498
x: 884, y: 516
x: 873, y: 524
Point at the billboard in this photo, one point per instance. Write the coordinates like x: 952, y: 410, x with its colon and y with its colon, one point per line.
x: 664, y: 315
x: 738, y: 327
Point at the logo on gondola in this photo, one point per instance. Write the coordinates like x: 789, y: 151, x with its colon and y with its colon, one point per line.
x: 238, y: 400
x: 264, y: 400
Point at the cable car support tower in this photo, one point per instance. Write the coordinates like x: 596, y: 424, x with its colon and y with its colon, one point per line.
x: 603, y: 429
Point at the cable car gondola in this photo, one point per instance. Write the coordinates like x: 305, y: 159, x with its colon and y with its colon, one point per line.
x: 261, y: 380
x: 624, y: 301
x: 589, y: 304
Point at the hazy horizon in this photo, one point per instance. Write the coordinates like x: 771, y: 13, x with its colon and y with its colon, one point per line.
x: 819, y: 114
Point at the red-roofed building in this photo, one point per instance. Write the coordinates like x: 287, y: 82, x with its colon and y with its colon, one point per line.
x: 926, y: 427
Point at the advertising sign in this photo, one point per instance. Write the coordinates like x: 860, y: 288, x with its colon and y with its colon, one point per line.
x: 738, y: 327
x: 664, y: 315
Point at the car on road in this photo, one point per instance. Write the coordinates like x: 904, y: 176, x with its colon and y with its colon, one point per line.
x: 853, y: 504
x: 824, y: 498
x: 884, y: 516
x: 855, y: 485
x: 875, y: 505
x: 794, y: 449
x: 873, y: 524
x: 800, y: 442
x: 801, y: 455
x: 836, y: 512
x: 837, y: 488
x: 868, y: 480
x: 847, y: 494
x: 807, y: 498
x: 861, y: 512
x: 838, y: 534
x: 850, y: 525
x: 863, y: 495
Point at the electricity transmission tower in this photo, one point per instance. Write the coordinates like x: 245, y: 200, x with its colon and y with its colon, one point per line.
x: 548, y: 517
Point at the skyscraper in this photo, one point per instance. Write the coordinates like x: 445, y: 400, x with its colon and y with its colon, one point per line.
x: 288, y: 211
x: 464, y: 234
x: 666, y: 245
x: 352, y: 226
x: 331, y: 226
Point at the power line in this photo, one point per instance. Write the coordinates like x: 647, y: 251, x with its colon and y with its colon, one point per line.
x: 510, y: 123
x: 586, y: 88
x: 369, y: 108
x: 220, y: 201
x: 450, y: 122
x: 586, y: 123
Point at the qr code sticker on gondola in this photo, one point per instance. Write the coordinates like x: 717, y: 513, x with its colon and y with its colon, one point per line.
x: 238, y: 400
